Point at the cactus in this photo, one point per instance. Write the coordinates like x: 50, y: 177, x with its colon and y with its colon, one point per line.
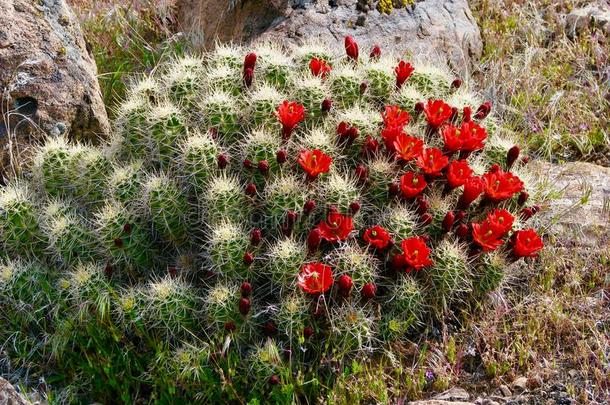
x: 257, y: 214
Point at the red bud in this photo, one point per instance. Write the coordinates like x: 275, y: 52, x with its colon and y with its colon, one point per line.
x: 467, y: 114
x: 426, y: 219
x: 274, y: 380
x: 270, y: 328
x: 512, y: 155
x: 307, y: 332
x: 255, y: 236
x: 108, y: 270
x: 526, y: 213
x: 244, y: 306
x: 263, y: 167
x: 251, y: 190
x: 250, y: 61
x: 393, y: 189
x: 246, y: 289
x: 369, y: 290
x: 462, y: 231
x: 448, y: 221
x: 247, y: 164
x: 362, y: 173
x: 248, y: 77
x: 456, y: 83
x: 309, y: 206
x: 248, y: 258
x: 345, y: 284
x: 483, y: 110
x: 230, y: 326
x: 313, y: 240
x: 327, y: 104
x: 523, y: 196
x: 351, y: 48
x: 127, y: 228
x: 419, y: 107
x: 223, y: 161
x: 375, y: 52
x: 422, y: 205
x: 454, y: 114
x: 118, y: 242
x: 363, y: 87
x: 173, y: 271
x: 354, y: 207
x: 370, y: 146
x: 460, y: 215
x: 281, y: 156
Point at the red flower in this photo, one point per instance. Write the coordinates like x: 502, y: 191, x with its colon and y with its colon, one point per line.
x: 319, y: 67
x: 408, y: 147
x: 351, y: 48
x: 315, y: 278
x: 486, y: 236
x: 458, y: 173
x: 393, y: 116
x: 377, y: 237
x: 432, y: 161
x: 314, y: 162
x: 290, y: 114
x: 437, y: 112
x: 526, y: 243
x: 403, y: 72
x: 390, y: 135
x: 336, y: 227
x: 474, y: 136
x: 453, y: 138
x: 501, y: 221
x: 501, y: 185
x: 473, y: 187
x: 416, y: 253
x: 412, y: 184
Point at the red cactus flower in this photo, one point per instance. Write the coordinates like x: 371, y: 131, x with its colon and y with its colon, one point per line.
x: 408, y: 147
x: 393, y: 116
x: 412, y: 184
x: 314, y: 162
x: 319, y: 67
x: 526, y: 243
x: 437, y: 112
x: 452, y: 136
x: 486, y: 236
x: 345, y: 284
x: 369, y: 290
x: 473, y: 187
x: 351, y: 48
x: 315, y: 278
x: 289, y: 113
x: 403, y: 72
x: 389, y: 135
x: 377, y: 237
x: 416, y: 253
x: 336, y: 227
x: 458, y: 173
x: 501, y: 221
x: 501, y: 185
x: 375, y: 52
x: 474, y: 136
x: 432, y: 161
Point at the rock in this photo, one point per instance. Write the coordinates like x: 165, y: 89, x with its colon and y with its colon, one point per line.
x: 586, y: 225
x: 505, y: 391
x: 48, y: 79
x: 520, y: 384
x: 438, y: 28
x: 439, y: 402
x: 592, y: 15
x: 453, y: 394
x: 10, y: 396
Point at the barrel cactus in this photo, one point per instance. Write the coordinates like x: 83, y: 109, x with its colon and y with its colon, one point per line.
x: 248, y: 219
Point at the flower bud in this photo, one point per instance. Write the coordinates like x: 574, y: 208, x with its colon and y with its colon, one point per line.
x: 351, y: 48
x: 523, y: 196
x: 223, y: 161
x: 467, y: 114
x: 108, y: 270
x: 263, y: 167
x: 393, y: 189
x: 354, y: 207
x: 307, y: 332
x: 526, y: 213
x: 313, y: 240
x: 462, y: 231
x: 309, y: 206
x: 249, y: 61
x: 251, y: 190
x: 512, y: 155
x: 173, y: 271
x: 270, y: 329
x: 454, y: 114
x: 345, y: 284
x: 248, y: 258
x: 127, y: 228
x: 362, y: 173
x: 246, y: 289
x: 244, y: 306
x: 525, y: 160
x: 281, y: 156
x: 422, y: 205
x: 419, y: 107
x: 118, y: 242
x: 483, y: 110
x: 327, y: 104
x: 248, y: 77
x: 369, y: 290
x: 456, y: 83
x: 370, y: 146
x: 459, y: 215
x: 363, y: 87
x: 448, y: 221
x: 274, y: 380
x: 375, y: 52
x: 229, y: 326
x: 255, y: 236
x: 426, y: 219
x: 247, y: 164
x: 291, y: 217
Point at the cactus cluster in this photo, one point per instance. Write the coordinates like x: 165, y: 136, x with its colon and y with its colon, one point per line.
x: 255, y: 212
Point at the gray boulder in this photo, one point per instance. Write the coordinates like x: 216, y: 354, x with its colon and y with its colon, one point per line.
x: 10, y: 396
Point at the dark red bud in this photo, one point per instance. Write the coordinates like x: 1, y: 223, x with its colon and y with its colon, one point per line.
x: 327, y: 104
x: 525, y: 160
x: 251, y: 190
x: 467, y: 114
x: 127, y: 228
x: 422, y: 205
x: 419, y: 107
x: 118, y: 242
x: 307, y: 332
x: 108, y: 270
x: 246, y: 289
x: 352, y: 133
x: 309, y: 206
x: 426, y: 219
x: 230, y: 326
x: 255, y: 236
x: 345, y: 284
x: 369, y: 290
x: 362, y: 173
x: 247, y: 164
x: 291, y: 217
x: 398, y: 262
x: 459, y: 215
x: 244, y: 306
x: 456, y: 83
x: 250, y: 61
x: 173, y: 271
x: 333, y: 209
x: 370, y: 146
x: 281, y: 156
x: 375, y: 52
x: 270, y: 328
x: 274, y: 380
x: 483, y: 110
x: 363, y: 87
x: 248, y: 77
x: 512, y: 155
x: 454, y: 114
x: 223, y: 161
x: 248, y: 258
x: 526, y: 213
x: 535, y: 209
x: 448, y: 221
x: 313, y: 240
x: 393, y: 189
x: 523, y: 196
x: 462, y: 231
x: 263, y: 167
x: 354, y: 207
